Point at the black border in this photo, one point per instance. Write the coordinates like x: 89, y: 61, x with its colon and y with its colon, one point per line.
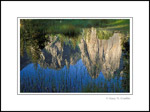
x: 45, y: 93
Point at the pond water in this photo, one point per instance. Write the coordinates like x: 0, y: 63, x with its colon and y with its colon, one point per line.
x: 73, y: 79
x: 92, y: 61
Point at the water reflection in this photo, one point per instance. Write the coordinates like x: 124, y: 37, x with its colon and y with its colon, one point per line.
x: 74, y: 79
x: 90, y: 62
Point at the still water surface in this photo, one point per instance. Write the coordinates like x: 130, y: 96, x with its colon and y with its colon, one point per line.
x: 91, y: 65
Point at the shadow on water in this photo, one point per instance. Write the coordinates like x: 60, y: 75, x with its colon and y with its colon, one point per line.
x: 74, y: 55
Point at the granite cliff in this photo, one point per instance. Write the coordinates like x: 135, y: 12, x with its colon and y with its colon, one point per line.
x: 101, y: 55
x: 98, y: 55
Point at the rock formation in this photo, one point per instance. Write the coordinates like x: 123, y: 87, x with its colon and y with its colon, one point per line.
x: 56, y: 56
x: 96, y: 54
x: 101, y: 55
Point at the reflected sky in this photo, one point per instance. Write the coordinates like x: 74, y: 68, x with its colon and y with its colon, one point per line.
x: 72, y: 79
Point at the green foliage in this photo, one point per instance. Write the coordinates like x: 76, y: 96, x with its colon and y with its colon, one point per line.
x: 66, y: 30
x: 104, y: 34
x: 126, y: 62
x: 32, y: 38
